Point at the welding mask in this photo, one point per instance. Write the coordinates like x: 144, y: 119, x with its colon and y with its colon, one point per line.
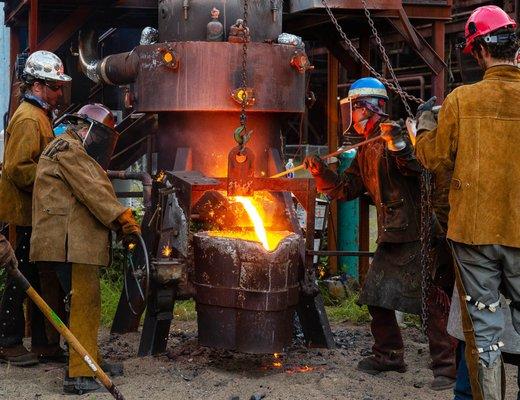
x: 94, y: 125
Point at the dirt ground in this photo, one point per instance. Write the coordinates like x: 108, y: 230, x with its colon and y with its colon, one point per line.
x: 190, y: 372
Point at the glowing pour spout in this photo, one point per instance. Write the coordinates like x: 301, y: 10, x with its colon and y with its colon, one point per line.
x: 256, y: 219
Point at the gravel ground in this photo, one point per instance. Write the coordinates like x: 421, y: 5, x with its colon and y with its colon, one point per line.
x: 191, y: 372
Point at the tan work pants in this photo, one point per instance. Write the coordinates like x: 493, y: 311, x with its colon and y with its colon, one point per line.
x: 85, y: 315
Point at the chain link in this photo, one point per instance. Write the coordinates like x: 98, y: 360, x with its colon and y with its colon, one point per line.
x: 243, y: 115
x: 355, y: 53
x: 426, y: 244
x: 386, y: 59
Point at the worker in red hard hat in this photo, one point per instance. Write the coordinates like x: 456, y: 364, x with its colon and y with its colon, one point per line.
x: 474, y: 142
x: 74, y: 209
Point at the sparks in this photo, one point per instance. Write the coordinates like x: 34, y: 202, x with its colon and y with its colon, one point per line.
x: 256, y: 219
x: 167, y: 251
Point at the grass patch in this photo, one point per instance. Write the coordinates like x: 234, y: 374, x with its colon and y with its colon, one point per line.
x: 348, y: 310
x: 185, y: 310
x: 110, y: 293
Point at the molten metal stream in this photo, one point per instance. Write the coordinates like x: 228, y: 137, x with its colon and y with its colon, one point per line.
x: 256, y: 219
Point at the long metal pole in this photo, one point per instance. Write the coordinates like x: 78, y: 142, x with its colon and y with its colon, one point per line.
x: 341, y: 150
x: 65, y: 332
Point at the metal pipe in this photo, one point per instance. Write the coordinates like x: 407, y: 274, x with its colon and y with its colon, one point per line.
x: 340, y: 253
x: 116, y: 69
x: 142, y: 176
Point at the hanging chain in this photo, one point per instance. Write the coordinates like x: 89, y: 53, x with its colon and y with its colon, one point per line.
x: 426, y: 244
x: 386, y: 59
x: 355, y: 53
x: 243, y: 116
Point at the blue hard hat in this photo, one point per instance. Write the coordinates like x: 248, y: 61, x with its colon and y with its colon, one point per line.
x: 368, y: 87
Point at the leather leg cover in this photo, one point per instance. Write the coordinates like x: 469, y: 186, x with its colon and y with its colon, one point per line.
x: 388, y: 342
x: 85, y: 314
x: 442, y: 345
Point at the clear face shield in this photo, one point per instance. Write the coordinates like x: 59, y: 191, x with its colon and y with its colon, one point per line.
x: 345, y: 106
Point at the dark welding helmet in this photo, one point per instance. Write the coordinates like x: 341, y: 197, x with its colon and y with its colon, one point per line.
x: 97, y: 131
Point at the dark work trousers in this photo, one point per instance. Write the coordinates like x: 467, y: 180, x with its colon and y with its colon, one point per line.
x: 12, y: 318
x: 388, y: 342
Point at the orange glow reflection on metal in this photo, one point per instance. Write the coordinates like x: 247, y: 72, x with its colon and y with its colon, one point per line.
x: 131, y: 246
x: 256, y: 219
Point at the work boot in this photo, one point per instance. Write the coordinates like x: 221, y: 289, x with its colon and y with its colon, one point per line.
x: 112, y: 369
x: 442, y: 383
x: 80, y: 385
x: 53, y: 353
x: 373, y: 365
x: 490, y: 378
x: 18, y: 355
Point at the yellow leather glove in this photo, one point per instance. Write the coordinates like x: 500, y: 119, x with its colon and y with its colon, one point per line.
x: 130, y: 228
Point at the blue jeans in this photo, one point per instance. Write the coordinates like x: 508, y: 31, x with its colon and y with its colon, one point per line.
x: 462, y: 390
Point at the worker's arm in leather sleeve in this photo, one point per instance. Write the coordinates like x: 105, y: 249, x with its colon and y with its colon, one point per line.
x: 23, y: 148
x: 90, y: 185
x: 436, y: 149
x: 347, y: 186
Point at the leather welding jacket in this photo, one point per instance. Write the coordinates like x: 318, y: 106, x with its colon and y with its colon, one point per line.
x: 28, y: 132
x: 391, y: 179
x: 477, y: 143
x: 74, y: 206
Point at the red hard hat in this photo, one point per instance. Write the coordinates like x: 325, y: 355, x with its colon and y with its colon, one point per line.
x: 484, y: 20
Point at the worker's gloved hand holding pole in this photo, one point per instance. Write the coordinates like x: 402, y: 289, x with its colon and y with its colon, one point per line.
x: 8, y: 261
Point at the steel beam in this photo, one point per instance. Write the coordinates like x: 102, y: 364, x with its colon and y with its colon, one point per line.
x: 65, y: 29
x: 33, y: 25
x: 307, y: 5
x: 403, y: 25
x: 332, y: 140
x: 438, y: 84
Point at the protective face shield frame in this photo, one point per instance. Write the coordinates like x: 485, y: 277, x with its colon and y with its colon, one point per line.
x: 99, y: 141
x: 349, y: 104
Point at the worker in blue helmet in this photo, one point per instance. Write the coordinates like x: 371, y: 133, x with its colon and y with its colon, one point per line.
x: 388, y: 172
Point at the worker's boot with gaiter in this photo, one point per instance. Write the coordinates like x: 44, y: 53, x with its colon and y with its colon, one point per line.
x: 442, y: 345
x: 388, y: 353
x: 490, y: 377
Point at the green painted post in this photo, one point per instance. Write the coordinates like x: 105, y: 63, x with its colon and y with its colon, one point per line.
x: 348, y: 226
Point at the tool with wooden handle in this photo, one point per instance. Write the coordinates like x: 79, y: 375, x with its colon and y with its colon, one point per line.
x: 64, y: 331
x: 341, y: 150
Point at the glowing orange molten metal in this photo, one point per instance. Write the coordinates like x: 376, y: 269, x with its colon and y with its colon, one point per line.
x: 255, y: 216
x: 256, y: 219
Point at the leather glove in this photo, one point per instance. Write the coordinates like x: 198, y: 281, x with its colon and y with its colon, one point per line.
x: 7, y: 257
x: 130, y: 228
x: 315, y: 165
x: 427, y: 106
x: 392, y: 134
x: 426, y: 122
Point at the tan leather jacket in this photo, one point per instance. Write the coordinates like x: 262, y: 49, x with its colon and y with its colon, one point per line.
x: 74, y: 206
x: 29, y: 131
x: 477, y: 143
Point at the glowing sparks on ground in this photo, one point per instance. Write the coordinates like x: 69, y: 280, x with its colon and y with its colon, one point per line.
x: 167, y: 251
x: 277, y: 363
x: 256, y: 219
